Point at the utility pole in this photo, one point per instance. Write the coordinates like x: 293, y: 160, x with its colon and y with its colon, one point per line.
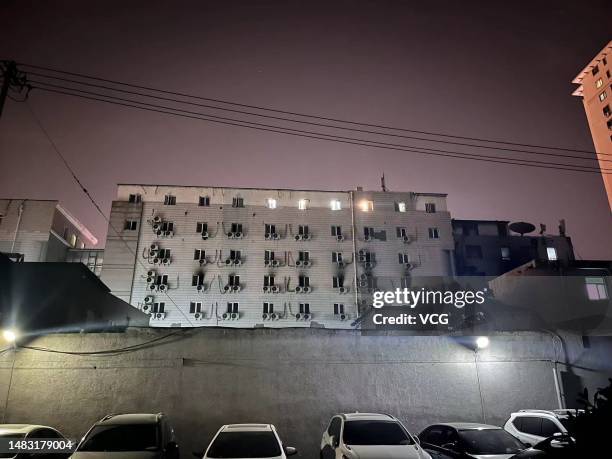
x: 11, y: 77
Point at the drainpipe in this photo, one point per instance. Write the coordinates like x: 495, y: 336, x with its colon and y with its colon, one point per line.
x: 354, y: 252
x: 20, y: 212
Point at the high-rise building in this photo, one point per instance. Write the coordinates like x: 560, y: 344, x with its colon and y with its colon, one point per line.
x: 595, y: 88
x: 245, y: 257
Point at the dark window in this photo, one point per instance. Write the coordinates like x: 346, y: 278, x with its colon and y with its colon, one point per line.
x: 303, y: 256
x: 127, y: 437
x: 130, y: 225
x: 195, y: 307
x: 244, y: 444
x: 606, y: 111
x: 199, y: 254
x: 338, y: 308
x: 303, y: 229
x: 336, y: 230
x: 531, y: 425
x: 233, y: 279
x: 268, y: 255
x: 304, y: 308
x: 201, y: 227
x: 232, y: 308
x: 473, y: 251
x: 490, y: 441
x: 375, y: 433
x: 400, y: 232
x: 549, y: 428
x: 197, y: 279
x: 304, y: 281
x: 238, y: 202
x: 595, y: 70
x: 434, y: 233
x: 430, y: 207
x: 169, y: 200
x: 337, y: 281
x: 268, y: 281
x: 204, y: 201
x: 135, y: 198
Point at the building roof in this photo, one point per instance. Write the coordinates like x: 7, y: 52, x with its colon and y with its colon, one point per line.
x: 578, y: 79
x: 460, y: 220
x: 78, y: 225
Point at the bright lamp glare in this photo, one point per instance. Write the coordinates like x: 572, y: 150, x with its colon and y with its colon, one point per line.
x: 9, y: 335
x: 482, y: 342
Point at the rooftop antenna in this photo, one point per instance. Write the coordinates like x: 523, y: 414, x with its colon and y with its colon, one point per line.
x: 382, y: 182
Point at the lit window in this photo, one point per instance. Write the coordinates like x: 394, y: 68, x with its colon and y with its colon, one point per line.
x: 73, y: 240
x: 400, y: 206
x: 603, y: 96
x: 551, y: 253
x: 366, y: 206
x: 335, y: 204
x: 505, y: 253
x: 303, y: 204
x: 271, y: 203
x: 596, y: 288
x: 599, y: 83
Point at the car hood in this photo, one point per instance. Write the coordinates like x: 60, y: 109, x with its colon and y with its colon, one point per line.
x: 492, y: 456
x: 386, y: 452
x: 115, y: 455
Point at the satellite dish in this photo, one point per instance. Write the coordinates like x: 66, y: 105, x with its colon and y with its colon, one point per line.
x: 521, y: 227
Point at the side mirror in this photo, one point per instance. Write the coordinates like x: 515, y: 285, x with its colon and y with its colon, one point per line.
x: 290, y: 450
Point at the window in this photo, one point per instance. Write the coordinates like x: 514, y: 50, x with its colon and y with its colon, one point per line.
x: 167, y: 226
x: 163, y: 253
x: 528, y: 424
x: 606, y: 111
x: 269, y: 230
x: 366, y: 206
x: 303, y: 256
x: 549, y: 428
x: 434, y: 233
x: 596, y: 288
x: 338, y: 308
x: 608, y: 73
x: 130, y: 225
x: 400, y: 207
x: 473, y: 251
x: 505, y: 253
x: 271, y: 203
x: 73, y: 240
x: 232, y: 307
x: 269, y: 255
x: 337, y: 281
x: 336, y: 230
x: 400, y: 232
x: 303, y: 204
x: 602, y: 96
x: 551, y: 253
x: 195, y: 306
x: 236, y: 228
x: 169, y: 200
x: 268, y: 281
x: 159, y: 307
x: 595, y: 70
x: 201, y: 227
x: 135, y: 198
x: 197, y: 279
x: 204, y: 201
x: 199, y: 254
x: 404, y: 258
x: 303, y: 229
x: 268, y: 308
x: 609, y: 123
x: 233, y: 279
x: 162, y: 279
x: 235, y: 255
x: 304, y: 281
x: 599, y: 83
x: 335, y: 204
x: 304, y: 308
x: 238, y: 202
x: 334, y: 427
x: 336, y: 257
x: 368, y: 233
x: 430, y: 207
x: 365, y: 256
x: 375, y: 433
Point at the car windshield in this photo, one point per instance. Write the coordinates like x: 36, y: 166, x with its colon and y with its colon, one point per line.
x: 490, y: 441
x: 121, y: 437
x: 375, y: 433
x: 244, y: 445
x: 8, y: 434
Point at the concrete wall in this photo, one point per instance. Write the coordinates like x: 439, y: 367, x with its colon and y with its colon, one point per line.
x: 296, y: 379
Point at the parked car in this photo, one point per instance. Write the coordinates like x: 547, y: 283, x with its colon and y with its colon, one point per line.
x: 247, y: 441
x: 121, y: 435
x: 559, y: 446
x: 466, y: 440
x: 29, y: 432
x: 534, y: 426
x: 369, y: 436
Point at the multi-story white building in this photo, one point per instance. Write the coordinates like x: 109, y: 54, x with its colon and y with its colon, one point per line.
x: 244, y: 257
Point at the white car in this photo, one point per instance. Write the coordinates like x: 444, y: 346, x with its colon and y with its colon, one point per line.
x: 533, y: 426
x: 369, y: 436
x: 240, y: 441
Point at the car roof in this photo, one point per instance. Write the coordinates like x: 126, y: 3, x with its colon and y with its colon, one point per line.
x: 132, y: 418
x: 247, y: 428
x: 560, y: 413
x: 469, y: 426
x: 21, y: 428
x: 367, y: 417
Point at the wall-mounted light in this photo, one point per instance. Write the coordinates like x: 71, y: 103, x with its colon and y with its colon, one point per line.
x: 482, y: 342
x: 10, y: 336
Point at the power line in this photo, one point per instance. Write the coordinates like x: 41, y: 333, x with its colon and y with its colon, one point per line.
x: 95, y: 204
x: 323, y: 136
x: 285, y: 112
x: 279, y: 118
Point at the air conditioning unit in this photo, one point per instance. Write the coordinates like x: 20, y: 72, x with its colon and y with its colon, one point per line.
x: 204, y: 235
x: 237, y: 261
x: 153, y: 287
x: 166, y: 261
x: 235, y: 315
x: 297, y: 237
x: 163, y: 287
x: 342, y: 316
x: 275, y: 236
x: 266, y: 289
x: 157, y: 219
x: 226, y: 316
x: 148, y: 299
x: 150, y: 273
x: 156, y: 261
x: 229, y: 262
x: 159, y: 315
x: 298, y: 289
x: 268, y: 236
x: 156, y: 227
x: 231, y: 235
x: 275, y: 289
x: 203, y: 261
x: 340, y: 264
x: 146, y: 308
x: 201, y: 288
x: 363, y: 283
x: 159, y: 232
x: 302, y: 316
x: 306, y: 263
x: 299, y: 263
x: 265, y: 316
x: 198, y: 316
x: 368, y: 265
x: 227, y: 288
x: 150, y: 279
x: 307, y: 237
x: 238, y: 235
x: 236, y: 288
x: 275, y: 263
x: 339, y: 237
x: 153, y: 248
x: 274, y: 316
x: 306, y: 289
x: 367, y: 238
x: 343, y: 289
x: 267, y: 262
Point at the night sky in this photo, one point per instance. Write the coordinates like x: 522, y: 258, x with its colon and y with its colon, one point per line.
x: 484, y: 69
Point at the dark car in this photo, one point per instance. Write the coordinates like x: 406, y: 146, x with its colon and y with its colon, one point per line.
x: 464, y: 440
x: 560, y: 446
x: 117, y: 436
